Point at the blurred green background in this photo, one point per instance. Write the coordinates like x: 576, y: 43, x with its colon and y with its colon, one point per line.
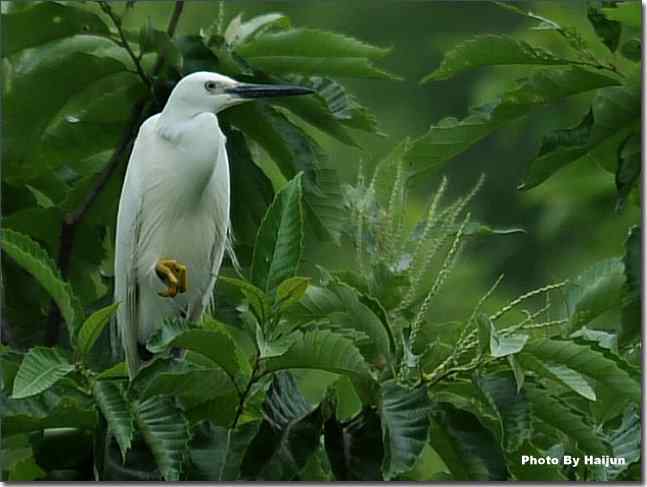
x: 568, y: 220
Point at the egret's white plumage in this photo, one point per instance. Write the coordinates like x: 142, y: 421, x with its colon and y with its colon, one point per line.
x: 175, y: 205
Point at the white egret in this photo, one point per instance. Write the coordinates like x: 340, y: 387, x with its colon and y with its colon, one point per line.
x: 173, y: 221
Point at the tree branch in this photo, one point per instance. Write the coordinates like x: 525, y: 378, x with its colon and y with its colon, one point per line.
x: 75, y: 217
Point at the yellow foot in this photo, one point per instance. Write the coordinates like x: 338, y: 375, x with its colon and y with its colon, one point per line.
x: 174, y: 275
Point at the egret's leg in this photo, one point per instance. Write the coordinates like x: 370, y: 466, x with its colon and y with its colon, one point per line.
x: 174, y: 275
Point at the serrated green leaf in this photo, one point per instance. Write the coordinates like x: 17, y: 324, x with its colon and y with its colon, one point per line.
x: 354, y: 447
x: 555, y: 413
x: 279, y: 242
x: 93, y: 326
x: 35, y: 260
x: 310, y: 43
x: 28, y: 109
x: 491, y: 50
x: 256, y: 297
x: 322, y: 350
x: 450, y: 136
x: 590, y: 363
x: 607, y: 30
x: 468, y: 449
x: 629, y: 13
x: 626, y: 443
x: 340, y: 305
x: 614, y: 109
x: 405, y: 427
x: 294, y: 151
x: 117, y: 371
x: 252, y: 191
x: 629, y: 167
x: 292, y: 290
x: 288, y: 436
x: 631, y: 312
x: 217, y: 452
x: 40, y: 369
x: 115, y: 408
x: 56, y: 407
x: 213, y: 343
x: 166, y: 432
x: 55, y: 22
x: 511, y: 408
x: 310, y: 51
x: 594, y: 292
x: 565, y: 375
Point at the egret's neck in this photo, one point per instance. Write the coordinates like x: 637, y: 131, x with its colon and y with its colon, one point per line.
x: 175, y: 119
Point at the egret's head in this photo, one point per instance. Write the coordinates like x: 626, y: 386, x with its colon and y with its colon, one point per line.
x: 213, y: 92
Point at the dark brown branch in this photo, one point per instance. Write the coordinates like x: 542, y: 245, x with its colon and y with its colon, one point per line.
x: 105, y: 6
x: 75, y: 217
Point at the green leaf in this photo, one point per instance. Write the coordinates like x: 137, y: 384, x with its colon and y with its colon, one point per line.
x: 628, y: 13
x: 288, y: 436
x: 491, y: 50
x: 504, y: 345
x: 56, y: 407
x: 511, y: 408
x: 115, y: 408
x: 322, y: 350
x: 631, y: 312
x: 355, y: 448
x: 279, y: 242
x: 258, y: 25
x: 35, y: 260
x: 294, y: 151
x: 485, y: 327
x: 450, y: 137
x: 628, y: 171
x: 567, y: 376
x: 590, y: 363
x: 117, y: 371
x: 626, y: 443
x: 292, y: 290
x: 93, y: 326
x: 29, y: 110
x: 340, y: 306
x: 166, y: 433
x: 191, y: 386
x: 213, y: 343
x: 40, y: 369
x: 405, y: 427
x: 607, y: 30
x: 552, y: 411
x: 256, y: 297
x: 252, y: 191
x: 594, y: 292
x: 614, y: 109
x: 55, y: 21
x: 310, y: 43
x: 217, y: 453
x: 632, y: 50
x: 309, y: 51
x: 468, y: 449
x: 331, y: 109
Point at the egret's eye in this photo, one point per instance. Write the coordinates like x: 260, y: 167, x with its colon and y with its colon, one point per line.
x: 210, y: 85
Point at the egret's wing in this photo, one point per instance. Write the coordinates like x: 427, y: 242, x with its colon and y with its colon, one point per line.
x: 223, y: 241
x: 129, y: 219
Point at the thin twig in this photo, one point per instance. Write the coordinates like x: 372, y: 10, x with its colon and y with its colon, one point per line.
x: 243, y: 396
x: 116, y: 20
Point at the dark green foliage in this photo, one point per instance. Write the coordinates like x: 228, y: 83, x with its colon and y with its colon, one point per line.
x: 301, y: 372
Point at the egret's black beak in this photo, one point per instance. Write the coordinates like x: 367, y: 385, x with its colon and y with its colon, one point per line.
x: 247, y: 90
